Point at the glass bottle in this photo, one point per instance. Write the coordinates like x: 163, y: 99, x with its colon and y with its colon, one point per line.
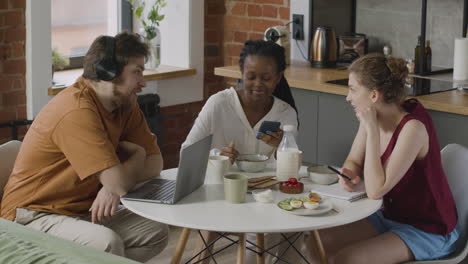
x: 288, y: 156
x: 428, y: 55
x: 417, y: 57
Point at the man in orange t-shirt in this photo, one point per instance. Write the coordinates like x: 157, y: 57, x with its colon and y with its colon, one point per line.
x: 87, y: 147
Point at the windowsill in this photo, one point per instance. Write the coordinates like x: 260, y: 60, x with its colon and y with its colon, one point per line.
x: 163, y: 72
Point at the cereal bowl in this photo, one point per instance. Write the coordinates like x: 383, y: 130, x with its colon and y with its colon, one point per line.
x: 320, y: 174
x: 251, y: 162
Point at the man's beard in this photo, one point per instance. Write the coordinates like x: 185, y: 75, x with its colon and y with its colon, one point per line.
x: 122, y: 101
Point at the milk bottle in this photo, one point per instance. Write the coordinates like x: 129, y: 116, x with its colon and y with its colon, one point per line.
x: 288, y: 156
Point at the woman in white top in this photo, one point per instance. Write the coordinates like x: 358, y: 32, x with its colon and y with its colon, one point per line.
x: 234, y: 116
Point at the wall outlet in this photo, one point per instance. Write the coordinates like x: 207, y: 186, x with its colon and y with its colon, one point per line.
x: 297, y: 27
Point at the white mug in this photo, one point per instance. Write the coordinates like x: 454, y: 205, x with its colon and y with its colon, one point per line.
x: 217, y: 167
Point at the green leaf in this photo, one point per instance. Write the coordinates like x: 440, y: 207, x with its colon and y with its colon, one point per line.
x: 139, y: 11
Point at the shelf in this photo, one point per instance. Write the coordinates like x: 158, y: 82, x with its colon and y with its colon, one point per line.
x: 163, y: 72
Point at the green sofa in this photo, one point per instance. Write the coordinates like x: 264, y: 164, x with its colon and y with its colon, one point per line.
x: 23, y: 245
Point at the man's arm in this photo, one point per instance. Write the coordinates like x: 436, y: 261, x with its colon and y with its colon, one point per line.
x: 152, y: 168
x: 122, y: 177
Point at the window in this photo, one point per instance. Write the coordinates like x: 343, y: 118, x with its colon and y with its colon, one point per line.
x: 75, y: 24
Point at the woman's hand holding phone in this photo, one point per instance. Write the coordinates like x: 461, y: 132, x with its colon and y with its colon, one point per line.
x: 271, y: 138
x: 349, y: 185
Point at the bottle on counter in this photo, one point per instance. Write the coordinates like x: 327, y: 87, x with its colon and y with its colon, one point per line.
x: 387, y: 51
x: 288, y: 156
x: 428, y: 54
x: 417, y: 57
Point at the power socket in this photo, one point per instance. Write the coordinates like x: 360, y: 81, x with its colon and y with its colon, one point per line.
x: 298, y: 27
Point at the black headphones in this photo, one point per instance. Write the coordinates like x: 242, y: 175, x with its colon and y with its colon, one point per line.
x: 107, y: 68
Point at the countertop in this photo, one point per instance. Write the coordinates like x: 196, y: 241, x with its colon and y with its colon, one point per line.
x: 301, y: 75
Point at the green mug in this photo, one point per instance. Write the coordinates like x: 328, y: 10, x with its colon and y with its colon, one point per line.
x: 235, y: 188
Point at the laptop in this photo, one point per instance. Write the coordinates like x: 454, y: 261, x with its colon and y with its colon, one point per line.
x: 190, y: 176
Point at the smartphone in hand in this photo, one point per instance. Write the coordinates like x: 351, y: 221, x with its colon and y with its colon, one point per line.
x: 272, y: 126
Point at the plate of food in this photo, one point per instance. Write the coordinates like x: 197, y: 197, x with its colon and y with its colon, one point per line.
x: 311, y: 205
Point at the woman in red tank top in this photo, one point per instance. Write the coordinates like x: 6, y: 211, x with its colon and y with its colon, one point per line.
x: 397, y: 156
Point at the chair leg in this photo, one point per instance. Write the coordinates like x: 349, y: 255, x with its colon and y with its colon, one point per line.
x: 179, y: 251
x: 320, y: 248
x: 208, y: 236
x: 241, y: 249
x: 261, y: 244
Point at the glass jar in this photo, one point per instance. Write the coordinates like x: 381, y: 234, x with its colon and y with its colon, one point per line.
x: 154, y: 46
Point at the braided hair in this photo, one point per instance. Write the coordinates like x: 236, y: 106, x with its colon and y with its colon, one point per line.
x: 270, y: 49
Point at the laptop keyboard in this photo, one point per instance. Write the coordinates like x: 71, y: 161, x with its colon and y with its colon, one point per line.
x: 163, y: 190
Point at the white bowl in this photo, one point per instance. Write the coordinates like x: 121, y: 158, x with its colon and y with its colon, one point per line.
x: 320, y: 174
x: 251, y: 162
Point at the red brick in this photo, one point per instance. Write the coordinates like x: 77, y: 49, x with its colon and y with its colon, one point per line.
x: 2, y: 19
x: 18, y: 3
x: 18, y: 83
x: 2, y: 35
x: 211, y: 36
x: 216, y: 8
x: 14, y: 66
x: 284, y: 13
x: 15, y: 34
x: 261, y: 25
x: 238, y: 9
x: 14, y: 98
x: 21, y: 112
x: 233, y: 49
x: 255, y: 35
x: 14, y: 18
x: 5, y: 83
x: 17, y: 49
x: 228, y: 36
x: 239, y: 23
x: 240, y: 37
x: 270, y: 11
x: 7, y: 115
x: 173, y: 110
x: 278, y: 2
x: 213, y: 21
x: 4, y: 4
x: 254, y: 10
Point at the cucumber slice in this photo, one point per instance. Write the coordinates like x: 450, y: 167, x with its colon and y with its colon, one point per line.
x: 286, y: 207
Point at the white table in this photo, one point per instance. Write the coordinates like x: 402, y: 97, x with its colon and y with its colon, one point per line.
x: 206, y: 209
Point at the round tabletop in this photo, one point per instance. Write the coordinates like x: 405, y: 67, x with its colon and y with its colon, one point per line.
x: 206, y: 209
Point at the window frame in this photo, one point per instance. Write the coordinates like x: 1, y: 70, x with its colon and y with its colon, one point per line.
x: 125, y: 19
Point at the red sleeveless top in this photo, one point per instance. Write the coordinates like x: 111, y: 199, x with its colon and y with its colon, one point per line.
x: 422, y: 198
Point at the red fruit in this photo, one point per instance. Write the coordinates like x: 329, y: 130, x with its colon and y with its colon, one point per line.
x: 292, y: 180
x: 284, y: 183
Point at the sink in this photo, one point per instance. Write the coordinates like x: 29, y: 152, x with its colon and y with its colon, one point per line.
x: 339, y: 82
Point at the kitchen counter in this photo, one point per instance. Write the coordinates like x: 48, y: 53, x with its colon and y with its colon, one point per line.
x: 328, y: 123
x: 301, y: 75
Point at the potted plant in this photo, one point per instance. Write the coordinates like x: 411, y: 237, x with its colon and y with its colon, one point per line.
x: 58, y: 62
x: 150, y: 29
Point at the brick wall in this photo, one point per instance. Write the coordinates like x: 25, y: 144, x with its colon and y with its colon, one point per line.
x: 228, y: 24
x: 12, y: 64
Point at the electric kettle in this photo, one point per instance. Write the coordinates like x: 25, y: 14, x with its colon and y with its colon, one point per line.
x: 323, y: 52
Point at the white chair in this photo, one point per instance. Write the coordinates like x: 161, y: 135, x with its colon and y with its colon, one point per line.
x: 8, y: 153
x: 455, y: 164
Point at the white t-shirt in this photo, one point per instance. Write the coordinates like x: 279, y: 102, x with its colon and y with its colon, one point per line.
x: 224, y: 118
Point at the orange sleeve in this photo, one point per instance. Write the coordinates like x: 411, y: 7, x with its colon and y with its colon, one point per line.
x: 137, y: 131
x: 81, y: 136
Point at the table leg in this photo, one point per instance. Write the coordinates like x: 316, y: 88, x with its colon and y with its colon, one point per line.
x: 179, y: 251
x: 320, y: 248
x: 241, y: 249
x: 261, y: 244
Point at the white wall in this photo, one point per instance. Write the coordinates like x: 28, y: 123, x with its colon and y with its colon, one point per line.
x: 38, y: 50
x: 300, y: 7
